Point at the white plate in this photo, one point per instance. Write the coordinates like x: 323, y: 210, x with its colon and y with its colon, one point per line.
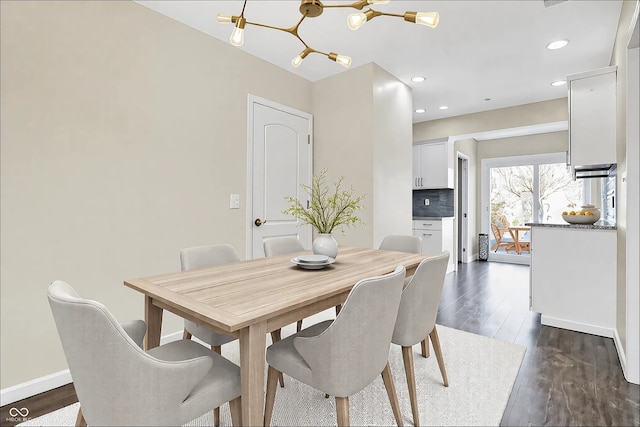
x: 313, y: 259
x: 312, y: 266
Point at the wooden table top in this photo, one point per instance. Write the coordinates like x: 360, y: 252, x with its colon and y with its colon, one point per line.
x: 236, y: 295
x: 519, y: 227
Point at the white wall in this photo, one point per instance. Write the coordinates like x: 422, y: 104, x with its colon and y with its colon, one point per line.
x: 392, y: 156
x: 628, y: 289
x: 123, y: 133
x: 363, y: 132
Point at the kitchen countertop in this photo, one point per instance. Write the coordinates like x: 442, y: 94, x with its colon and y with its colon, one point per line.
x: 599, y: 225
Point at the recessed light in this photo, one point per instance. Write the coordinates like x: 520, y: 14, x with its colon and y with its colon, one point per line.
x: 557, y: 44
x: 421, y: 110
x: 443, y: 107
x: 418, y: 79
x: 559, y: 83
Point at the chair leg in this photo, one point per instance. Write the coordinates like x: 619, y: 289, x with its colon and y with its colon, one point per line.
x: 342, y: 411
x: 275, y: 337
x: 235, y: 406
x: 272, y: 385
x: 436, y: 347
x: 387, y: 378
x: 425, y: 346
x: 80, y: 421
x: 409, y: 372
x: 186, y: 335
x: 299, y: 326
x: 216, y: 411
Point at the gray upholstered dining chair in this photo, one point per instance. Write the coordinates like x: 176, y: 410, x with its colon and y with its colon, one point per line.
x: 417, y: 319
x: 119, y: 384
x: 402, y: 243
x: 275, y: 246
x: 341, y: 357
x: 203, y: 257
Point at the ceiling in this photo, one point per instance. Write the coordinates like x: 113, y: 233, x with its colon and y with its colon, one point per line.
x: 483, y: 55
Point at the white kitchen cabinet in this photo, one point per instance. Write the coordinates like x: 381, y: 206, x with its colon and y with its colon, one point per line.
x: 573, y: 278
x: 433, y: 164
x: 437, y: 236
x: 592, y: 117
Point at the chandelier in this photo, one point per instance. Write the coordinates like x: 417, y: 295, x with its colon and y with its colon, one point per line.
x: 314, y: 8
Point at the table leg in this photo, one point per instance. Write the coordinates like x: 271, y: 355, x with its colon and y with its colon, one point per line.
x: 516, y: 240
x: 253, y: 341
x: 153, y: 317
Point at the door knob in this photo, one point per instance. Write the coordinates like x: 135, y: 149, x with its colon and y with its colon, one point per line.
x: 258, y: 222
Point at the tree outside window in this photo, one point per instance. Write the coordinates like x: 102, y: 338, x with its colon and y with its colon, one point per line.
x: 512, y: 193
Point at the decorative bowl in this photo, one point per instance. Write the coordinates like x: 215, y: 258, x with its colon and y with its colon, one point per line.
x: 581, y: 219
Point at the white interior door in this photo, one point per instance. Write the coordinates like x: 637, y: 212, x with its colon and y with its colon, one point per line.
x: 280, y: 162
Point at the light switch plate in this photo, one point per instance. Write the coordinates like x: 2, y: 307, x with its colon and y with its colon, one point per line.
x: 234, y: 201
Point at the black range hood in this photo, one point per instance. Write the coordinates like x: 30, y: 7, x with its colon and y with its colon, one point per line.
x: 594, y: 171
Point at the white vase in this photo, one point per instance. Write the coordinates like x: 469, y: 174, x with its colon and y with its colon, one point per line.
x: 325, y: 244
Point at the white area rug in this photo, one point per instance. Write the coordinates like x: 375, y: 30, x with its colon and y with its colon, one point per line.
x: 481, y: 374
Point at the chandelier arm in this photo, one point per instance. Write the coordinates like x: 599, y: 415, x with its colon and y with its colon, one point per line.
x: 258, y: 24
x: 291, y: 30
x: 397, y: 15
x: 359, y: 5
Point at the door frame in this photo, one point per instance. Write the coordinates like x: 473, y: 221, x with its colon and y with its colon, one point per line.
x: 462, y: 224
x: 486, y: 165
x: 251, y: 101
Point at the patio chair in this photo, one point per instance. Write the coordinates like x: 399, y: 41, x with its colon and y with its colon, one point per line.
x: 501, y: 241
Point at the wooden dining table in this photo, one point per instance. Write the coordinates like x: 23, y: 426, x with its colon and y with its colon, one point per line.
x: 515, y: 233
x: 249, y: 299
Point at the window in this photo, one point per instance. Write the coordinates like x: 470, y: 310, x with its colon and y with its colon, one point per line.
x: 524, y: 189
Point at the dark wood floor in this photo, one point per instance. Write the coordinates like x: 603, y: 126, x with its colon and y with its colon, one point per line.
x: 566, y: 378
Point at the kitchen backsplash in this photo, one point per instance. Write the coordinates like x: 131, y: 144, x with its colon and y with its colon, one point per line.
x: 440, y: 203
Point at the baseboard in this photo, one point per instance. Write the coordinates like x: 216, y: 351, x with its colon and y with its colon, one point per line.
x: 469, y: 258
x: 621, y: 354
x: 49, y: 382
x: 578, y: 327
x: 31, y: 388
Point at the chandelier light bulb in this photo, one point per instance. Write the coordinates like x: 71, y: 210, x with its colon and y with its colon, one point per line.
x: 237, y: 36
x: 297, y: 61
x: 225, y: 19
x: 430, y: 19
x: 377, y: 1
x: 345, y: 61
x: 356, y: 20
